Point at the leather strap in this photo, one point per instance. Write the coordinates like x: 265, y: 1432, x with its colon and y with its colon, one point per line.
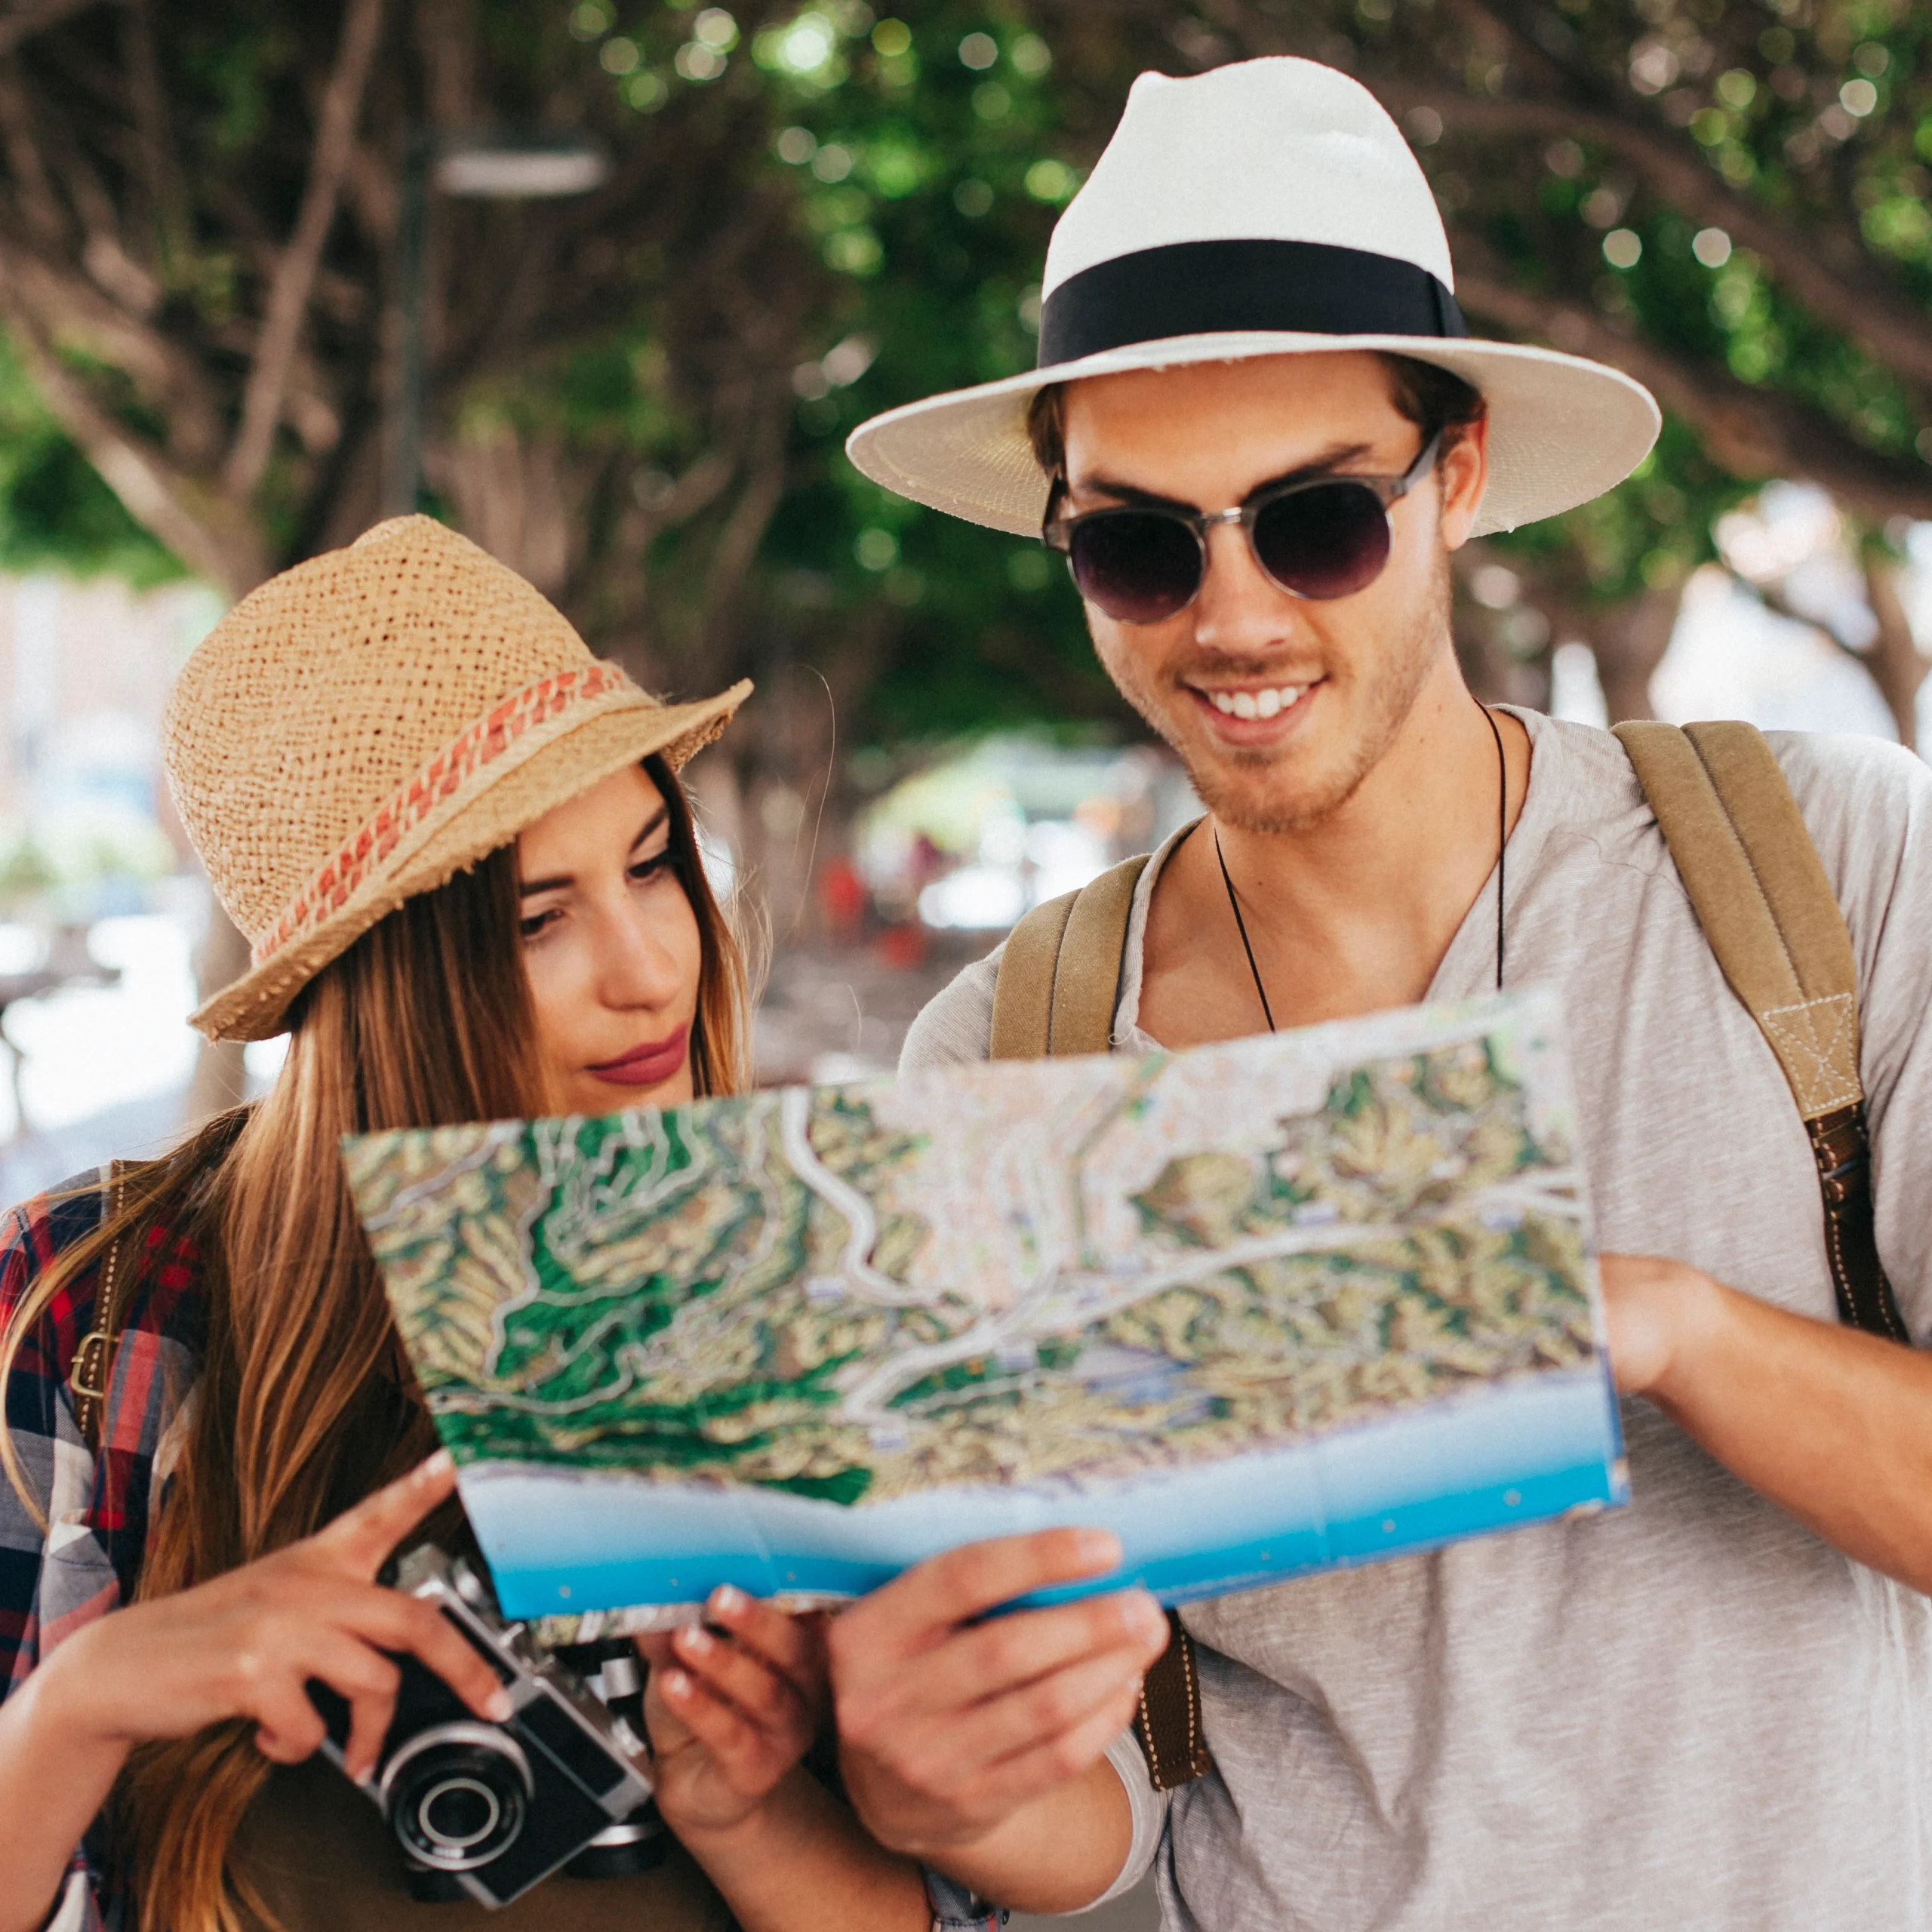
x: 1058, y: 986
x: 1168, y: 1725
x: 1768, y: 913
x: 92, y: 1374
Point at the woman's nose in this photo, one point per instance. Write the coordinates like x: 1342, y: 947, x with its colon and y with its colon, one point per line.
x: 637, y: 968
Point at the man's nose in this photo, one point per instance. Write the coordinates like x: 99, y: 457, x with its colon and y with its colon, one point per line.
x: 1237, y: 608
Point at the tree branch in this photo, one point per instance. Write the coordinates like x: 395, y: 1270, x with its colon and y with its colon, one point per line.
x: 33, y: 189
x: 1750, y: 432
x: 26, y: 22
x: 1863, y: 304
x: 1897, y: 665
x: 211, y: 540
x: 160, y: 165
x: 295, y: 275
x: 67, y: 306
x: 1892, y: 660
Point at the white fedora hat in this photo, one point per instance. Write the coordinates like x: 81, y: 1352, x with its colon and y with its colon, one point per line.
x: 1269, y: 208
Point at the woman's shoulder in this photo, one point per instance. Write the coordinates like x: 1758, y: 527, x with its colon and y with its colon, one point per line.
x: 34, y: 1234
x: 160, y: 1280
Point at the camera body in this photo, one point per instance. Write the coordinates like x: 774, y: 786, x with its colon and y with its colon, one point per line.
x: 495, y: 1808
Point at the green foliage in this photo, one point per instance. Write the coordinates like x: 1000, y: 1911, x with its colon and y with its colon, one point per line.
x: 924, y: 160
x: 55, y: 512
x: 913, y: 164
x: 1811, y: 109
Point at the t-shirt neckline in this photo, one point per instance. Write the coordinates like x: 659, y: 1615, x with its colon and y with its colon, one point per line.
x: 1475, y: 942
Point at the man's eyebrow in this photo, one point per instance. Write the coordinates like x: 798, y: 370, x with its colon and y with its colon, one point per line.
x: 526, y: 887
x: 1330, y: 460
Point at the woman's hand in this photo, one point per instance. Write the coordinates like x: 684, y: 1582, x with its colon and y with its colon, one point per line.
x: 244, y: 1644
x: 733, y: 1704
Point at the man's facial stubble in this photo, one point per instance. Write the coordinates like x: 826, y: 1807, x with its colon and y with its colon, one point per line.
x: 1372, y: 683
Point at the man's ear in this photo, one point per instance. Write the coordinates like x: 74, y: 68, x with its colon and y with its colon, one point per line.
x: 1463, y: 468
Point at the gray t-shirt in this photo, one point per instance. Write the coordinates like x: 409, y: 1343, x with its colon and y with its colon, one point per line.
x: 1686, y: 1715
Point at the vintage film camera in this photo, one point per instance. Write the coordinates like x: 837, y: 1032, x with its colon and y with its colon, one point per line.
x: 486, y: 1810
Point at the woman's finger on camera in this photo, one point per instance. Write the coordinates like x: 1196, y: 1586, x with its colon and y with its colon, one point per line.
x: 393, y: 1621
x: 367, y: 1681
x: 288, y: 1728
x: 360, y: 1538
x: 742, y: 1679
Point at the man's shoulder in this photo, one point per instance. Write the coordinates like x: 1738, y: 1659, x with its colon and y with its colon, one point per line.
x: 955, y: 1027
x: 1859, y: 797
x: 1867, y: 788
x: 1867, y: 805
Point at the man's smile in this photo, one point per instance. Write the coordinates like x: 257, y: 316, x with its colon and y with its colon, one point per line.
x: 1245, y: 712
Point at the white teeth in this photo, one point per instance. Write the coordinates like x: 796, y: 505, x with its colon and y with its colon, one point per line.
x: 1256, y: 704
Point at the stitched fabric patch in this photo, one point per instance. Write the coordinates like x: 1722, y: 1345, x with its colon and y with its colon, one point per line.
x: 1816, y: 1042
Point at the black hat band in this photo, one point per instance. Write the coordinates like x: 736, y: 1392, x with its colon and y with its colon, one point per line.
x: 1237, y: 287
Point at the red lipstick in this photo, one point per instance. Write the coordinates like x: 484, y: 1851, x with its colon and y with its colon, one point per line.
x: 647, y: 1066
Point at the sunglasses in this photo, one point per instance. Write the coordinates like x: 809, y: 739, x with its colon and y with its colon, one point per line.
x: 1323, y: 537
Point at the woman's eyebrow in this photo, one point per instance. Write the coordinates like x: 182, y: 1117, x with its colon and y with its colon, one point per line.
x: 650, y: 824
x: 525, y: 887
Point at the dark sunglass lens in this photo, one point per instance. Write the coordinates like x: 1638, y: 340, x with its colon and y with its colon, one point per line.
x: 1137, y: 566
x: 1328, y: 540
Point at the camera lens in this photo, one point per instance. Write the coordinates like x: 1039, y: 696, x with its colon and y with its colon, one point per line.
x: 456, y: 1795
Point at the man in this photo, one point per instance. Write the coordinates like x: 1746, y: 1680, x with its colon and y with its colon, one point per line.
x: 1713, y: 1709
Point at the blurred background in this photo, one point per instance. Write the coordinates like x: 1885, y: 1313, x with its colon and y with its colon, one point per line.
x: 605, y: 284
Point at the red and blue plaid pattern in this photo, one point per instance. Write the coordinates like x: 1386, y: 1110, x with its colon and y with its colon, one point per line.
x: 98, y: 1502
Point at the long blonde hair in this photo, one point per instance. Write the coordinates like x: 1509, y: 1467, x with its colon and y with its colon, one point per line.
x: 304, y: 1402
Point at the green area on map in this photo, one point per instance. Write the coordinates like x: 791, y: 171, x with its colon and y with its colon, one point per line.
x: 1062, y: 1271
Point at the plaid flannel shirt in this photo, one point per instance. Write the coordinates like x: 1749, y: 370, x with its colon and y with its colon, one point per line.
x: 98, y: 1503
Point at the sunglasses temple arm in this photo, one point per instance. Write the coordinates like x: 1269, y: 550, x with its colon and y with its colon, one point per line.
x: 1419, y: 468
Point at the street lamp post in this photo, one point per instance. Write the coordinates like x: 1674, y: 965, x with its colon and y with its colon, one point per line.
x: 494, y: 167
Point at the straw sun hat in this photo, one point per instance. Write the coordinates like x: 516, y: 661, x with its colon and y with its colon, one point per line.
x: 1268, y: 207
x: 370, y: 722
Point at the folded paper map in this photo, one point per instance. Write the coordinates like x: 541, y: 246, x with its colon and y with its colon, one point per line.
x: 1261, y: 1308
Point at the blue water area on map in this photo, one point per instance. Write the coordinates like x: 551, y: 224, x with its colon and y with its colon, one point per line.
x: 1514, y: 1453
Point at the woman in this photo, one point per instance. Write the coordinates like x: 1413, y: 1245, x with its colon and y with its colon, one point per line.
x: 459, y: 846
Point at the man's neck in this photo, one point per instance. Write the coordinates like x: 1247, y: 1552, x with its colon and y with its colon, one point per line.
x: 1352, y: 915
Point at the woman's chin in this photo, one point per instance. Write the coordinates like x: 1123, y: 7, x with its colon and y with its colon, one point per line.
x: 593, y: 1094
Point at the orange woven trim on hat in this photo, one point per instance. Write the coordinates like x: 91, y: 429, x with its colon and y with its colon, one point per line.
x: 481, y: 745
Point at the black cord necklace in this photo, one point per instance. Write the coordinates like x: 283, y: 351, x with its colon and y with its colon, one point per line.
x: 1501, y: 849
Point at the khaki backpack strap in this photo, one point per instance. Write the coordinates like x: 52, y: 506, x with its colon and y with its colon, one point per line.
x: 1023, y: 993
x: 1058, y: 988
x: 92, y: 1374
x: 1767, y: 910
x: 1059, y: 977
